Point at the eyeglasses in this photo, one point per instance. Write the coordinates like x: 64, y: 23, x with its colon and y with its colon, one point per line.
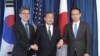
x: 25, y: 13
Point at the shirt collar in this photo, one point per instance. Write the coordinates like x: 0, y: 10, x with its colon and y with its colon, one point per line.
x: 23, y: 22
x: 76, y: 22
x: 48, y: 25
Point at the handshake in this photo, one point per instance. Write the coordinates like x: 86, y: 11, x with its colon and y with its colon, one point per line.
x: 34, y: 47
x: 60, y: 43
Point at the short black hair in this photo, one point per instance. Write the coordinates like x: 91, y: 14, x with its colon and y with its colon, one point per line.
x: 75, y: 8
x: 48, y: 12
x: 23, y: 8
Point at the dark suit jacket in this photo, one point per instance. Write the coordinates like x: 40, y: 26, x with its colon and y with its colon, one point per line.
x: 46, y: 46
x: 82, y: 43
x: 22, y: 45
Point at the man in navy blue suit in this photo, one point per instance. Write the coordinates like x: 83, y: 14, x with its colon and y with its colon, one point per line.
x: 24, y: 35
x: 47, y: 36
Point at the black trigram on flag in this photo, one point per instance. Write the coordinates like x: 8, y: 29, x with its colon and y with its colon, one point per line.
x: 9, y: 3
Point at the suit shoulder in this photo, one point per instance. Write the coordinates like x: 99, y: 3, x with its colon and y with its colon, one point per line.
x: 40, y: 27
x: 31, y: 25
x: 69, y: 24
x: 16, y: 24
x: 55, y: 27
x: 85, y: 23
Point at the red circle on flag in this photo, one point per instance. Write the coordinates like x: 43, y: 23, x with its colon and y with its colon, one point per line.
x: 10, y: 21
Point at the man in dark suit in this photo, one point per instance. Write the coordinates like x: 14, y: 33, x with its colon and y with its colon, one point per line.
x: 47, y: 36
x: 24, y: 35
x: 77, y: 34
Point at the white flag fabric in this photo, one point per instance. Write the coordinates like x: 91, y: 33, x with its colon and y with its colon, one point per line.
x: 98, y: 19
x: 63, y: 20
x: 7, y: 37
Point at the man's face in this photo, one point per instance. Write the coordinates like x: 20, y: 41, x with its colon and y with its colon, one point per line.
x: 75, y: 14
x: 25, y: 14
x: 49, y: 18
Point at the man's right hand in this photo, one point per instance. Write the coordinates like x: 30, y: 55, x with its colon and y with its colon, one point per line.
x: 60, y: 43
x: 34, y: 47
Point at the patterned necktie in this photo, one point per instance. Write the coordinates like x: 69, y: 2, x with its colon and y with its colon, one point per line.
x: 49, y: 33
x: 27, y: 30
x: 75, y: 30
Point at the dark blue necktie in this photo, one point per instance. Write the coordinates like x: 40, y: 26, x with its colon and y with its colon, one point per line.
x: 49, y: 33
x: 75, y: 30
x: 27, y: 30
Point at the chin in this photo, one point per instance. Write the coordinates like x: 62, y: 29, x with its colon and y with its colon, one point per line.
x: 26, y: 20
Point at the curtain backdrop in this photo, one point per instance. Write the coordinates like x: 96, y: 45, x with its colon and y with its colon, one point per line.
x: 88, y: 8
x: 1, y: 18
x: 89, y: 15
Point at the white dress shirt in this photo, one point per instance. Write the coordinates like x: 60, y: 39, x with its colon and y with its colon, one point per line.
x: 23, y: 22
x: 73, y: 25
x: 51, y: 28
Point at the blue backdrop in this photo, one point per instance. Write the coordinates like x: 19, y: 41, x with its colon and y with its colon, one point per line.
x: 1, y: 18
x: 88, y: 8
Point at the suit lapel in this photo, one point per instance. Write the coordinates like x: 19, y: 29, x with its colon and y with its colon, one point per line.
x: 46, y: 33
x: 23, y: 30
x: 30, y: 31
x: 53, y: 33
x: 79, y: 29
x: 71, y: 27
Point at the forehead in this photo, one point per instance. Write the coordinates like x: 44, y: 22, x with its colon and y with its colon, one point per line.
x: 25, y: 11
x: 49, y: 14
x: 75, y: 11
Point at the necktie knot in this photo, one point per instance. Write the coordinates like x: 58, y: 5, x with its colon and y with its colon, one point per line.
x: 75, y: 25
x: 49, y: 27
x: 26, y: 24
